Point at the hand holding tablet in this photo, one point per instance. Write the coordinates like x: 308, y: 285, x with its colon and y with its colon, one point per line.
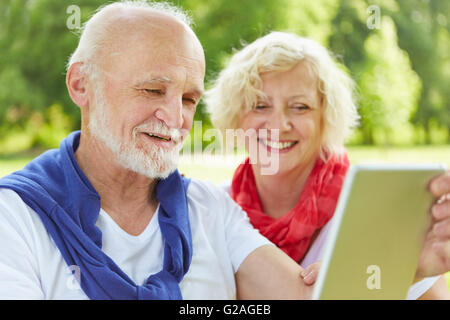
x: 435, y: 258
x: 379, y: 229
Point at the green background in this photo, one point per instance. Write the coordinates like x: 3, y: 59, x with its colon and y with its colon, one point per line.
x: 401, y: 68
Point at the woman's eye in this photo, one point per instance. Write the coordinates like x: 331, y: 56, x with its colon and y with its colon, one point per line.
x: 190, y: 100
x: 300, y: 107
x: 260, y: 107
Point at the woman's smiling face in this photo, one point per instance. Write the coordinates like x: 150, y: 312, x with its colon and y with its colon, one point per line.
x: 292, y: 104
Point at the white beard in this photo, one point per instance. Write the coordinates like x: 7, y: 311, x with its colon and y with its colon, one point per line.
x: 154, y: 163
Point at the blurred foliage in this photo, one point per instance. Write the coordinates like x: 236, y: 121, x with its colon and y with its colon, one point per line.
x: 388, y: 98
x: 401, y: 67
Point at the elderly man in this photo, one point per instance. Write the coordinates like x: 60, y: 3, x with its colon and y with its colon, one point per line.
x: 96, y: 207
x: 109, y: 208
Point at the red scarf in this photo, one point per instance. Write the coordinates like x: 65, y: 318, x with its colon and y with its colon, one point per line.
x: 292, y: 232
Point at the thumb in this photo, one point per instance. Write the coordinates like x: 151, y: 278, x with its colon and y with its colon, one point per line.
x: 311, y: 277
x: 310, y: 273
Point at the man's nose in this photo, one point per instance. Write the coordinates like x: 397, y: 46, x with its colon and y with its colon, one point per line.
x: 172, y: 112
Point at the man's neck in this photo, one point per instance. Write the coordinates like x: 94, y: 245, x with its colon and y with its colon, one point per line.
x: 128, y: 197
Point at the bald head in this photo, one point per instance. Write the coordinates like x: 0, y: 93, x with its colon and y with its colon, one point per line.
x: 122, y: 25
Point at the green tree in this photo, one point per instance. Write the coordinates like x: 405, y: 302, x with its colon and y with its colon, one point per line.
x: 35, y: 44
x: 423, y: 31
x: 391, y: 88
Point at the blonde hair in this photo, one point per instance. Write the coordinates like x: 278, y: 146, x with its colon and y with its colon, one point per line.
x: 239, y: 85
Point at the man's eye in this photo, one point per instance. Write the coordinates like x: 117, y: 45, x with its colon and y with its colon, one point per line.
x: 153, y: 91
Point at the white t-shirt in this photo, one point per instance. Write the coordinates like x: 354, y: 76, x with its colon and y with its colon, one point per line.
x: 316, y: 251
x: 32, y: 267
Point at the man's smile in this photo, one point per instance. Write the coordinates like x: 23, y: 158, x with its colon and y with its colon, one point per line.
x: 159, y: 140
x: 158, y: 136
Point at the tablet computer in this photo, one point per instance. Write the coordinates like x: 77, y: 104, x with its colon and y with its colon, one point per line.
x: 377, y: 232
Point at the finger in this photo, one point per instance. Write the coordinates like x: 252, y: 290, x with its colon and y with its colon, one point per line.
x: 441, y: 184
x: 308, y: 269
x: 311, y: 277
x: 316, y: 265
x: 443, y: 251
x: 442, y: 229
x: 312, y: 267
x: 303, y: 272
x: 441, y: 210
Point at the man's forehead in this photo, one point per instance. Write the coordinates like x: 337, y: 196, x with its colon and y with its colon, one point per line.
x: 176, y: 48
x: 151, y: 45
x: 145, y: 24
x: 123, y: 17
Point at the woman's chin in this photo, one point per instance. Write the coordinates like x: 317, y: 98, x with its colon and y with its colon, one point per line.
x: 274, y: 166
x: 286, y: 164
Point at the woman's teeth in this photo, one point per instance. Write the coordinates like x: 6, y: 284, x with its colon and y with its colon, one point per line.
x: 278, y: 145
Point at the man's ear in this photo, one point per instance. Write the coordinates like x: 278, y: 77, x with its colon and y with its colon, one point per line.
x: 77, y: 84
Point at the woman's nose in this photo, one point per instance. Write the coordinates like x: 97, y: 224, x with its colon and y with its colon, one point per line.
x: 280, y: 120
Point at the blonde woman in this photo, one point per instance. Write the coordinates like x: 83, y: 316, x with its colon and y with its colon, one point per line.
x: 291, y: 84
